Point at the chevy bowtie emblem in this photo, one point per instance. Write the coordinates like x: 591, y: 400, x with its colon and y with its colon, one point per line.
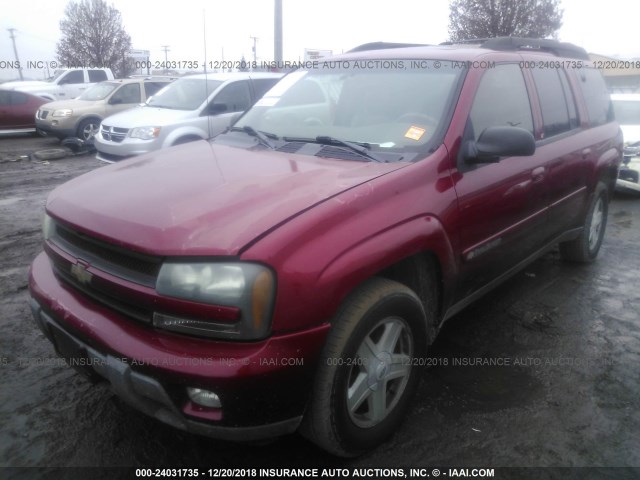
x: 81, y: 274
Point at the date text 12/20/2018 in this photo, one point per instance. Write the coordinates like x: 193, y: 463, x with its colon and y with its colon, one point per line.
x: 195, y: 64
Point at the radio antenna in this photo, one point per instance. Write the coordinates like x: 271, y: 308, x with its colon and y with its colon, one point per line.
x: 206, y: 78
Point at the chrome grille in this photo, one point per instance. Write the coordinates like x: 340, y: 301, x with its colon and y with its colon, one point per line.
x: 135, y: 267
x: 113, y: 134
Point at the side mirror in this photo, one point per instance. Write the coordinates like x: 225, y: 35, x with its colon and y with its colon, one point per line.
x: 115, y: 101
x: 217, y: 108
x: 496, y: 142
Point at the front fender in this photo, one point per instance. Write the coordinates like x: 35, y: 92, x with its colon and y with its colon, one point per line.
x: 323, y: 253
x: 181, y: 133
x: 365, y: 259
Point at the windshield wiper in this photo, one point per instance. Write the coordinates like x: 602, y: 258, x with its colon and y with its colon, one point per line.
x: 360, y: 148
x: 263, y: 137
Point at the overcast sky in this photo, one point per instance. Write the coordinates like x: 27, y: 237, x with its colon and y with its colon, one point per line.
x: 608, y: 28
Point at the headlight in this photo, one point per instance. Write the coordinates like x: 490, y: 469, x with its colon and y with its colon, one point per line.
x: 65, y: 112
x: 145, y: 133
x: 247, y: 286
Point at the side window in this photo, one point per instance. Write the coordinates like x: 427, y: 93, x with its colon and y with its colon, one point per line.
x: 555, y: 114
x: 501, y: 100
x: 574, y: 122
x: 596, y: 96
x: 5, y: 97
x: 96, y: 76
x: 150, y: 88
x: 235, y: 96
x: 18, y: 98
x: 262, y: 85
x: 129, y: 93
x: 74, y: 76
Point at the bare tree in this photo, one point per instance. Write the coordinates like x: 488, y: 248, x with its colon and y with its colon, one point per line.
x: 497, y: 18
x: 93, y: 35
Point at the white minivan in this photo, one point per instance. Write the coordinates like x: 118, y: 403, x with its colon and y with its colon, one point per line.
x: 191, y: 108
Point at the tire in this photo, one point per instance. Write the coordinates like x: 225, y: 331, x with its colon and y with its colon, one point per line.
x: 585, y: 248
x: 88, y: 128
x: 366, y: 380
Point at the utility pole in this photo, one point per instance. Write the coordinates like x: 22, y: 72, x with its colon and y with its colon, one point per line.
x: 166, y: 49
x: 277, y: 32
x: 255, y: 40
x: 15, y: 51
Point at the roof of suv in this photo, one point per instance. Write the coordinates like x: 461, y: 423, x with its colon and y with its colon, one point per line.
x: 234, y: 75
x: 468, y: 49
x: 125, y: 81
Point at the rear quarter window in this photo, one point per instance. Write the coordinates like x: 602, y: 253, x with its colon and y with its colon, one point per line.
x: 596, y: 96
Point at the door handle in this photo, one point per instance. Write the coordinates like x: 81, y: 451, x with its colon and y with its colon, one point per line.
x: 538, y: 173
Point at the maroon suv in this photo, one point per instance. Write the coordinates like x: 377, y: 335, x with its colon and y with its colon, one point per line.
x: 292, y: 273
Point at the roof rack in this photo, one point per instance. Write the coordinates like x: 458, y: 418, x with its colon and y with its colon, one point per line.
x: 561, y: 49
x: 383, y: 46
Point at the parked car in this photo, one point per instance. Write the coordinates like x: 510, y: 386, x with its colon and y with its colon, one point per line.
x: 627, y: 110
x: 17, y: 111
x: 66, y: 83
x: 192, y: 108
x: 81, y: 116
x: 291, y: 273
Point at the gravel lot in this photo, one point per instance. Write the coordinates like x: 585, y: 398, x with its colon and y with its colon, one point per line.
x: 567, y: 391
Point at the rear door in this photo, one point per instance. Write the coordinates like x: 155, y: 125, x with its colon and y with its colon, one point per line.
x: 563, y: 148
x: 502, y: 206
x: 5, y: 109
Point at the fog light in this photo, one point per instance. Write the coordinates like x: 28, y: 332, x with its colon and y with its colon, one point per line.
x: 202, y: 397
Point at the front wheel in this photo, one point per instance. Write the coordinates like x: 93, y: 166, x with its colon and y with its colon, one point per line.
x: 585, y: 248
x: 87, y: 129
x: 366, y: 378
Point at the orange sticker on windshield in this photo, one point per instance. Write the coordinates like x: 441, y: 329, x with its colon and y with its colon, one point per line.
x: 414, y: 133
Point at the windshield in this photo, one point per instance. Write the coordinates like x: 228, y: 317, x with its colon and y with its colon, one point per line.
x: 391, y: 106
x: 98, y: 91
x: 184, y: 94
x: 627, y: 112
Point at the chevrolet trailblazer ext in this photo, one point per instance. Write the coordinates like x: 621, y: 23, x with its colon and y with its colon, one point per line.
x: 292, y: 273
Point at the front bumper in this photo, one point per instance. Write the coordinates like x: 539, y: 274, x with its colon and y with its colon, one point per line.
x: 629, y: 176
x: 263, y: 386
x: 63, y: 130
x: 114, y: 151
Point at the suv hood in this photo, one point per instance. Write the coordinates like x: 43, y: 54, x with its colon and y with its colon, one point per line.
x: 72, y: 104
x: 148, y: 116
x: 202, y: 199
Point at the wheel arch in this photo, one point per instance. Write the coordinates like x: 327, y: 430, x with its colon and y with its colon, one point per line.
x: 88, y: 116
x: 181, y: 133
x: 423, y: 259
